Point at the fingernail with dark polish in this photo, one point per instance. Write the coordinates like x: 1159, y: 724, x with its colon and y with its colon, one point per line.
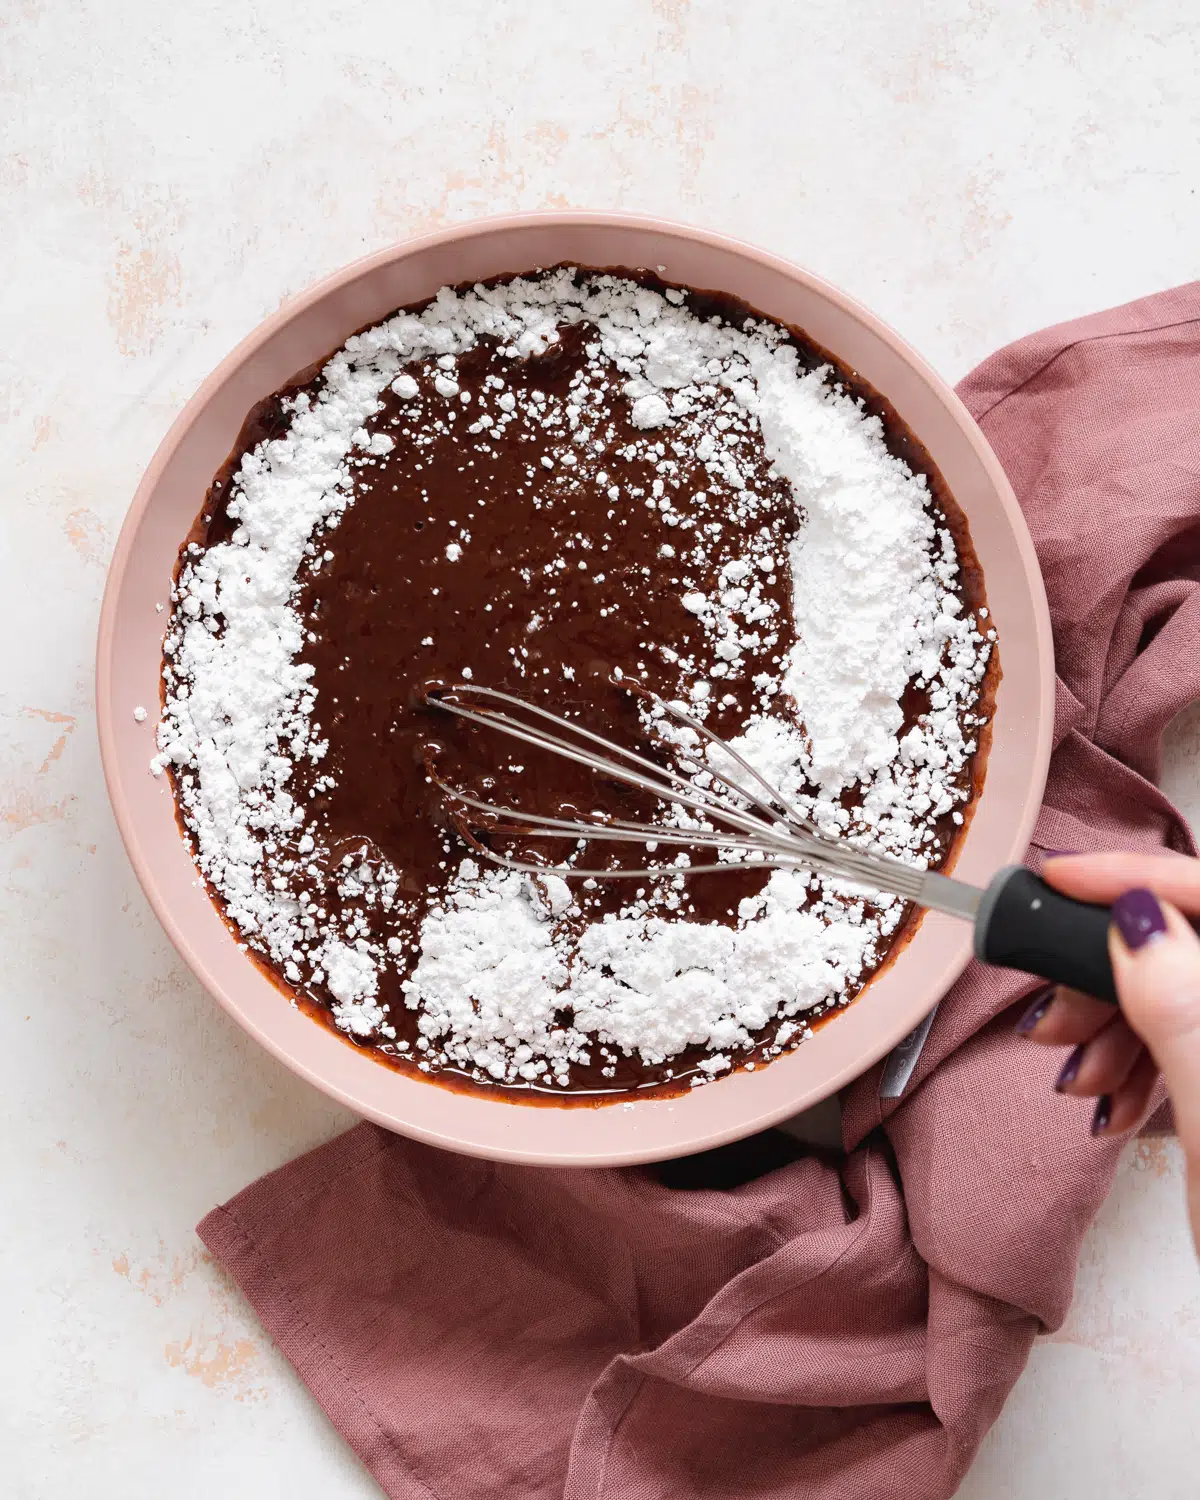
x: 1103, y: 1114
x: 1035, y: 1012
x: 1059, y: 853
x: 1070, y: 1070
x: 1139, y: 918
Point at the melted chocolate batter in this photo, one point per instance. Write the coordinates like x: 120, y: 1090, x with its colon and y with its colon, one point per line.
x: 496, y: 552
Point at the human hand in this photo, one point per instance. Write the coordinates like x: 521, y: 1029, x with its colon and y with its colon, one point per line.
x: 1117, y: 1056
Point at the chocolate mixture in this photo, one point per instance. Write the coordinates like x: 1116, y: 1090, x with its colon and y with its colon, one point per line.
x: 501, y: 557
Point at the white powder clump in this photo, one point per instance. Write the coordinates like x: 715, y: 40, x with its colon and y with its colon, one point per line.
x: 353, y: 978
x: 650, y: 411
x: 867, y: 605
x: 488, y: 979
x: 506, y: 982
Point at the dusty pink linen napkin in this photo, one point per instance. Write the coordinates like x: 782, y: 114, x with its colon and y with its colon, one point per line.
x: 837, y: 1330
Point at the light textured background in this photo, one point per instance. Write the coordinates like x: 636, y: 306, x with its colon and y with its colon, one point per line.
x: 169, y: 174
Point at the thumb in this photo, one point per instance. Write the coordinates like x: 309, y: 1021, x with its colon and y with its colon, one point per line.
x: 1156, y: 962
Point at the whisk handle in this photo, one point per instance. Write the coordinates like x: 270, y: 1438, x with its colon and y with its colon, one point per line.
x: 1023, y: 923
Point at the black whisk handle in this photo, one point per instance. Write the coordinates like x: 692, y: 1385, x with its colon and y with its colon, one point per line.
x: 1023, y: 923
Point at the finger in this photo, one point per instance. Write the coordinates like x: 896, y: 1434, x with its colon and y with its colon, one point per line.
x: 1129, y: 1104
x: 1156, y: 963
x: 1101, y: 1065
x: 1102, y: 877
x: 1064, y: 1019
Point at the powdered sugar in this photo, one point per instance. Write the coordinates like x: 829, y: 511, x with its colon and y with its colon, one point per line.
x: 506, y: 983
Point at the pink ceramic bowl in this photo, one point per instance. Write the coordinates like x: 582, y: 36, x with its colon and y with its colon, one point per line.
x: 130, y: 652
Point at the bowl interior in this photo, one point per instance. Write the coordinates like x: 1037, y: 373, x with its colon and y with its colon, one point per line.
x: 130, y: 655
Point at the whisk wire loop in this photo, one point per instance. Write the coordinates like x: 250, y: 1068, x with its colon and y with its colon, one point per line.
x: 776, y: 836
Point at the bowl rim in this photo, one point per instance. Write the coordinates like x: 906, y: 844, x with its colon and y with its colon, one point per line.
x: 1038, y: 749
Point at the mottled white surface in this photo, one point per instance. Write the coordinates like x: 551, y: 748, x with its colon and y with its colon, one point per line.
x: 169, y: 174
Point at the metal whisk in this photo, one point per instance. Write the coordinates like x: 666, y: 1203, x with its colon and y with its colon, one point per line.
x: 1020, y: 921
x: 752, y: 817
